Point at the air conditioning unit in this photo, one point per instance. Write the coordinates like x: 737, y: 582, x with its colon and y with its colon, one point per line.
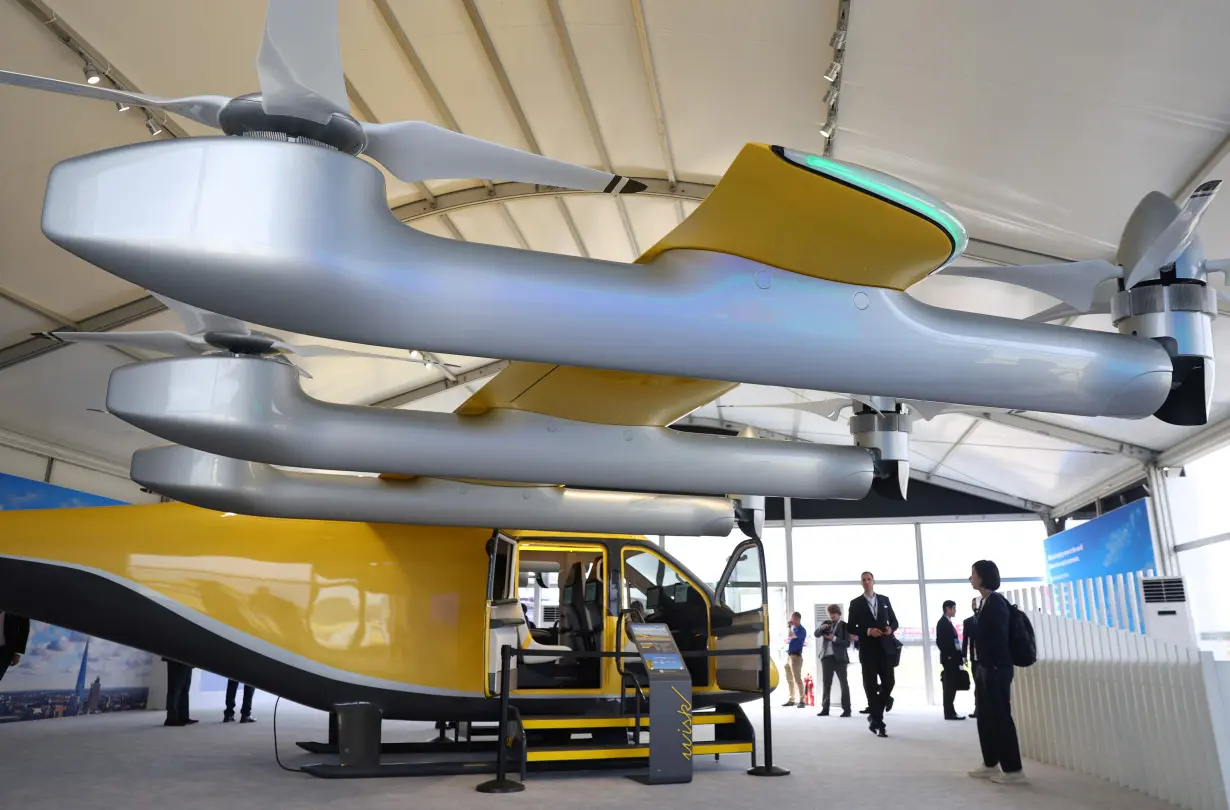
x: 1166, y: 612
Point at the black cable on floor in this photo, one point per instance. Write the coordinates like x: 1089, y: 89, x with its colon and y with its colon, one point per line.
x: 275, y: 737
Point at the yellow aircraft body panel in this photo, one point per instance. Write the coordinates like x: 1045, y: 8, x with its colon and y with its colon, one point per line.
x: 594, y: 395
x: 771, y: 211
x: 368, y: 600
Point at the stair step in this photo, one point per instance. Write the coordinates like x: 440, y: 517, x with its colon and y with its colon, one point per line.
x: 598, y: 752
x: 702, y: 719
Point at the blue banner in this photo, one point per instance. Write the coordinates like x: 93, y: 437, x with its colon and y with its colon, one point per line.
x: 1119, y: 542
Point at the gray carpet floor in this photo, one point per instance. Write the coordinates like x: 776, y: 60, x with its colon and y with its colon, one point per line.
x: 131, y: 761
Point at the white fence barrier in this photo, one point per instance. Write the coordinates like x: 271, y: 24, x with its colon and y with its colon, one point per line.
x: 1106, y: 700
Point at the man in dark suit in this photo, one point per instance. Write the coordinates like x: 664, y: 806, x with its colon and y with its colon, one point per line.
x: 14, y: 633
x: 969, y: 651
x: 873, y: 620
x: 179, y: 682
x: 950, y: 658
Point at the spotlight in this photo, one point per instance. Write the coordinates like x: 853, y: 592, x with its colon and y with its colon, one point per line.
x: 92, y: 76
x: 153, y: 127
x: 838, y: 40
x: 830, y: 98
x: 122, y: 106
x: 833, y: 72
x: 827, y: 130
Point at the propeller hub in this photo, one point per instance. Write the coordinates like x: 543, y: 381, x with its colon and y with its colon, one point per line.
x: 1178, y: 314
x: 887, y: 437
x: 234, y: 343
x: 245, y: 115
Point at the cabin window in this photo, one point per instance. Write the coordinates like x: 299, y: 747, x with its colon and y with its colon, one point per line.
x: 500, y: 579
x: 665, y: 597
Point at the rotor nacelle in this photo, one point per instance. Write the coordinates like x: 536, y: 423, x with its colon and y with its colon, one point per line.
x: 884, y: 431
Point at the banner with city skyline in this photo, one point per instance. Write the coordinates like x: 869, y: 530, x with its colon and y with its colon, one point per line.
x: 64, y: 673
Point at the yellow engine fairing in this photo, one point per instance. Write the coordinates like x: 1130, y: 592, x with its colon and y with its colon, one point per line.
x: 768, y: 210
x: 398, y: 603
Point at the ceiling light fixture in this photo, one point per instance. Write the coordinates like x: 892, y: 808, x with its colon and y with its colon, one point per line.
x: 92, y: 76
x: 830, y: 98
x: 833, y: 72
x: 122, y: 106
x: 838, y: 40
x: 153, y: 127
x: 827, y: 129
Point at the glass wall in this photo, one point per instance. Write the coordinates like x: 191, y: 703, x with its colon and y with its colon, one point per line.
x: 827, y: 561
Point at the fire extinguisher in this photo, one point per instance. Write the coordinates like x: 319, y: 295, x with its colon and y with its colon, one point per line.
x: 809, y: 691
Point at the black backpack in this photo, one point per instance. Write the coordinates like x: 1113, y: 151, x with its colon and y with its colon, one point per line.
x: 1021, y: 644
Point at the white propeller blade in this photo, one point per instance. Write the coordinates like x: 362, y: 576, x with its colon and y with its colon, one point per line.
x: 202, y: 109
x: 1172, y: 241
x: 314, y: 350
x: 1074, y: 283
x: 300, y: 60
x: 828, y: 408
x: 199, y: 321
x: 175, y: 344
x: 416, y: 150
x: 1101, y: 306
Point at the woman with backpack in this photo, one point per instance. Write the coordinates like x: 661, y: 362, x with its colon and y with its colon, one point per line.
x: 1001, y: 753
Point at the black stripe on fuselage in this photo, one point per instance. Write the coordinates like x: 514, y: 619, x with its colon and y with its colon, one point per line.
x: 80, y: 600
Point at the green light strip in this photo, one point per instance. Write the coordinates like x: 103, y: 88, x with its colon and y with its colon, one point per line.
x: 890, y: 188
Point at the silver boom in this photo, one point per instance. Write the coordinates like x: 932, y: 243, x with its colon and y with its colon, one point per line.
x: 300, y: 238
x: 230, y: 485
x: 254, y: 409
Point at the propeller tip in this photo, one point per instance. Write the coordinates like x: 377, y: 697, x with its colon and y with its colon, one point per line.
x: 633, y: 187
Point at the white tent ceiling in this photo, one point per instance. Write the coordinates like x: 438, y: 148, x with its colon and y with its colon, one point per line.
x: 1042, y: 124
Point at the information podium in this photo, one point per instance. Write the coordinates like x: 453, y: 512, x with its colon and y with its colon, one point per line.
x: 670, y: 705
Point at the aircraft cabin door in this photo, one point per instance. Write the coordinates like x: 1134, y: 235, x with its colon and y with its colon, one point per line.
x: 740, y: 617
x: 505, y: 618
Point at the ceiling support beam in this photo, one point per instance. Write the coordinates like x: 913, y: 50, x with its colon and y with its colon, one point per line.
x: 591, y: 119
x: 917, y: 475
x: 655, y: 98
x: 952, y: 448
x: 73, y: 41
x: 1067, y: 434
x: 440, y: 386
x: 1121, y: 480
x: 514, y: 227
x: 514, y: 104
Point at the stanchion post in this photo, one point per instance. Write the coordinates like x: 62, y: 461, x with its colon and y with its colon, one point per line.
x: 501, y: 783
x: 768, y: 768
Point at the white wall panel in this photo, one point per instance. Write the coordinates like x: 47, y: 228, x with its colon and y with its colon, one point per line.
x: 21, y: 463
x: 71, y: 476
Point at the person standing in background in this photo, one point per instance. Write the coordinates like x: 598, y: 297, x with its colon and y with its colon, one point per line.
x: 14, y: 634
x: 874, y: 621
x: 950, y: 658
x: 834, y: 659
x: 1001, y: 751
x: 245, y: 710
x: 179, y: 681
x: 794, y: 660
x: 969, y: 650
